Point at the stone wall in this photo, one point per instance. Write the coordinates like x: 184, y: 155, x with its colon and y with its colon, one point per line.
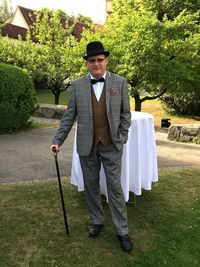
x: 50, y: 111
x: 184, y: 132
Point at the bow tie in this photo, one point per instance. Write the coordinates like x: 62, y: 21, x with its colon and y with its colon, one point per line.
x: 93, y: 81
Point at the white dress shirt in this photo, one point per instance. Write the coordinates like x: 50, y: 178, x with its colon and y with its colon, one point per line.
x: 98, y: 87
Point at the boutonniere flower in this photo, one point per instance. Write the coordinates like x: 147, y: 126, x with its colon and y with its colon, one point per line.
x: 113, y: 92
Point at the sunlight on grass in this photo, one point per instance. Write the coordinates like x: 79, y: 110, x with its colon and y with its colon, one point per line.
x: 37, y: 125
x: 155, y: 108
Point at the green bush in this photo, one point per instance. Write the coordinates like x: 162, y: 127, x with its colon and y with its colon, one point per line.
x: 182, y: 104
x: 196, y: 140
x: 17, y: 98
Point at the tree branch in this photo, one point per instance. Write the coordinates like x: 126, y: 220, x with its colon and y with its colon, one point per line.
x: 153, y: 97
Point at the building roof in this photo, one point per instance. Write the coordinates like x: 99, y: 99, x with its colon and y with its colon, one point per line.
x: 13, y: 31
x: 28, y: 15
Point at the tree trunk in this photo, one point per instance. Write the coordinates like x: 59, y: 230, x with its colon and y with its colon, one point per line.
x: 57, y: 96
x: 138, y: 103
x: 138, y: 100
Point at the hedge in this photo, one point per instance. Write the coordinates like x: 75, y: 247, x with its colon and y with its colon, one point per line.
x: 17, y: 98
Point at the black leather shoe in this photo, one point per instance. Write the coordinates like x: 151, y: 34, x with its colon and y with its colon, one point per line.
x: 95, y: 230
x: 125, y: 242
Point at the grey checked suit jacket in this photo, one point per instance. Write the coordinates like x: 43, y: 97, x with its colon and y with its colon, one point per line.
x: 80, y: 106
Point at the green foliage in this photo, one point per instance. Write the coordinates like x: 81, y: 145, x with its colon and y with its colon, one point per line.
x: 5, y: 11
x: 196, y: 140
x: 173, y: 8
x: 162, y: 8
x: 85, y: 19
x: 53, y: 58
x: 26, y: 55
x: 154, y: 56
x: 17, y: 98
x: 54, y: 41
x: 185, y: 103
x: 186, y: 100
x: 7, y: 47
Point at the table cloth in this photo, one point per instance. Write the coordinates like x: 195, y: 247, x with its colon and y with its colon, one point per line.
x: 139, y: 159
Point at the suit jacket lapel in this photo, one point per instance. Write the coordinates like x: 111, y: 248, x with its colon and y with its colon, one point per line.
x: 108, y: 86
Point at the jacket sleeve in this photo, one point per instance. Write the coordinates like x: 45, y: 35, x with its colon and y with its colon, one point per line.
x: 68, y: 118
x: 125, y: 115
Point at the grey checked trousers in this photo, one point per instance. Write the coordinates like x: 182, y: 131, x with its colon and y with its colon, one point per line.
x: 91, y: 164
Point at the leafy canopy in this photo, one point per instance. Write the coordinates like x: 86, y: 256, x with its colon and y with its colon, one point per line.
x: 154, y: 56
x: 170, y: 8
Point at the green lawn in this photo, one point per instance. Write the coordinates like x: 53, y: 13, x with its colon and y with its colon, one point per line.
x: 46, y: 96
x: 164, y: 226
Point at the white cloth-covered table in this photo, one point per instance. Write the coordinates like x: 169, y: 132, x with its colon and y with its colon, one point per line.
x: 139, y: 159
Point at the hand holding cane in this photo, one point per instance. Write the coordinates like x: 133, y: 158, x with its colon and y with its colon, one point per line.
x: 60, y: 187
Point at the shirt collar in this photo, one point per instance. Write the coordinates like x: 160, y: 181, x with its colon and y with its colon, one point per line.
x: 104, y: 76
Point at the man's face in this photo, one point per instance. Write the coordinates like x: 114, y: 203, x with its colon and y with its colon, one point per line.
x: 97, y: 65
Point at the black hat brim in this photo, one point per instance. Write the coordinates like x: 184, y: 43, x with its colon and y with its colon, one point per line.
x: 106, y: 53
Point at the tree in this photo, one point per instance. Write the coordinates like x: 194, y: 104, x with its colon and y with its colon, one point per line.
x: 5, y: 11
x: 154, y: 56
x: 187, y: 102
x: 85, y: 19
x: 162, y: 8
x: 55, y: 39
x: 26, y: 55
x: 51, y: 59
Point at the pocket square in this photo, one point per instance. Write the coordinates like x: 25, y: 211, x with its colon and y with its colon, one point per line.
x: 113, y: 92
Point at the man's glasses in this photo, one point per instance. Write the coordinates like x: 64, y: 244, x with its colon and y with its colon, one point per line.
x: 98, y: 60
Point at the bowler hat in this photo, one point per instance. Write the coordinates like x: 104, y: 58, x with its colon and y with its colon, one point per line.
x: 95, y: 48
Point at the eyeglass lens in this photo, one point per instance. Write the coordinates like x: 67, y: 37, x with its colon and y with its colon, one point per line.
x: 98, y: 60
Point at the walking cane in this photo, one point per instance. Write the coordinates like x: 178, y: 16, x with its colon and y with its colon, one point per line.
x: 61, y: 192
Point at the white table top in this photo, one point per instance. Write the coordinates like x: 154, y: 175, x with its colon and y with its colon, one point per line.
x: 139, y: 159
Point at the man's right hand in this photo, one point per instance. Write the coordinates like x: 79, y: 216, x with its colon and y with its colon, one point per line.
x: 54, y: 149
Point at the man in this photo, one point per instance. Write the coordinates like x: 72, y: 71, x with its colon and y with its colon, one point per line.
x: 100, y: 102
